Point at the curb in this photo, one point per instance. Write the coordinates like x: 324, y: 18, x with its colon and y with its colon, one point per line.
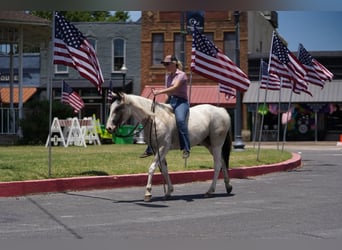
x: 22, y: 188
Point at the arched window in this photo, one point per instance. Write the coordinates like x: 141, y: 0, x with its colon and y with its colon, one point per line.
x: 118, y: 53
x: 92, y: 41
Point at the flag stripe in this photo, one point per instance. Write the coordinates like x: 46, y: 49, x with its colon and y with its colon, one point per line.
x: 226, y: 75
x: 268, y: 81
x: 229, y: 91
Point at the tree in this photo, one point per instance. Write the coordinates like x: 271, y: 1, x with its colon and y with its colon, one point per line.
x: 87, y: 16
x: 119, y: 16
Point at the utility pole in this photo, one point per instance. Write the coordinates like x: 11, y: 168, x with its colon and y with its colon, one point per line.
x: 238, y: 143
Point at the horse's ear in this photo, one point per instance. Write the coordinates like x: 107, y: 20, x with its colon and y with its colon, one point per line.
x: 118, y: 95
x: 121, y: 96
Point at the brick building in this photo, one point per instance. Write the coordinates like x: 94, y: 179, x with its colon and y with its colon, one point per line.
x: 165, y: 32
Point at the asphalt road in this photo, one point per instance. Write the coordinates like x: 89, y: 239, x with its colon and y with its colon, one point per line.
x: 304, y: 203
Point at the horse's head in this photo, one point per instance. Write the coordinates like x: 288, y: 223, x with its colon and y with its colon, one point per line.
x: 119, y: 113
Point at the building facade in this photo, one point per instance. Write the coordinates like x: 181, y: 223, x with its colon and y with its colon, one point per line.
x: 165, y: 32
x: 140, y: 47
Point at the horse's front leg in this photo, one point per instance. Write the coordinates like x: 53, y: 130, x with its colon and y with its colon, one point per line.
x: 158, y: 160
x: 148, y: 192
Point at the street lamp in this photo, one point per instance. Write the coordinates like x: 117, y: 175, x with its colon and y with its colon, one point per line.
x: 238, y: 143
x: 123, y: 72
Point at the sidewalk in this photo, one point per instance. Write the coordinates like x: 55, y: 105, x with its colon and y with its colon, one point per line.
x: 22, y: 188
x: 297, y: 145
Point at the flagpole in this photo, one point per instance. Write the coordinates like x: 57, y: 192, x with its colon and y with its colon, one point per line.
x: 279, y: 112
x: 190, y: 87
x: 218, y: 95
x: 50, y: 92
x: 257, y: 106
x: 287, y: 118
x: 262, y: 120
x: 269, y: 65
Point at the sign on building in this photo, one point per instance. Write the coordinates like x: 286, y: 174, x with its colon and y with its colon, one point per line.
x: 194, y: 18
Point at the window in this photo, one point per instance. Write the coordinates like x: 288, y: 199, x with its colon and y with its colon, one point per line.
x: 118, y: 54
x: 157, y: 48
x: 229, y: 45
x: 178, y: 49
x: 61, y: 69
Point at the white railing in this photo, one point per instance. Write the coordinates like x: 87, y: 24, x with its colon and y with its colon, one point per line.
x: 9, y: 121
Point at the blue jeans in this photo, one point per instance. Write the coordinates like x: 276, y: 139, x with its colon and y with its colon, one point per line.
x: 181, y: 109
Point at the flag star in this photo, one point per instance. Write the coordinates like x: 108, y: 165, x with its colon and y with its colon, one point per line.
x: 304, y: 56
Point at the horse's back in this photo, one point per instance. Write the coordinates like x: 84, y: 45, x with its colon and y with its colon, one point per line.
x: 208, y: 113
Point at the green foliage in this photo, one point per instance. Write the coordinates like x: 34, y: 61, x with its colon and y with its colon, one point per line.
x: 87, y: 16
x: 119, y: 16
x: 35, y: 124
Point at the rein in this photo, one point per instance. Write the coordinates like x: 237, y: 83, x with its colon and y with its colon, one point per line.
x: 153, y: 109
x: 130, y: 133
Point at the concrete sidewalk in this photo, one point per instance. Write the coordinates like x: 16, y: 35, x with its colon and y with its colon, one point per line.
x: 22, y: 188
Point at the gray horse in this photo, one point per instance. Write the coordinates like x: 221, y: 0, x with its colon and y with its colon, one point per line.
x: 209, y: 126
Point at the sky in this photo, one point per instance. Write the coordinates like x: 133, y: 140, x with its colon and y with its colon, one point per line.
x: 316, y: 30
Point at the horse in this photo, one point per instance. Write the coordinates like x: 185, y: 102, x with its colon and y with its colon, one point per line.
x: 208, y: 125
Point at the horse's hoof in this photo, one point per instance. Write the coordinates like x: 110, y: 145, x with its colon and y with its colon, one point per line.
x: 229, y: 189
x: 148, y: 198
x: 167, y: 197
x: 208, y: 195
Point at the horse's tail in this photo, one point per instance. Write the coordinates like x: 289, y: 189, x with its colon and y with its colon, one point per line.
x: 227, y: 147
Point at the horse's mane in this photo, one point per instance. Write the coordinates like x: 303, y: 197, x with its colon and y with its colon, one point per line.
x: 146, y: 105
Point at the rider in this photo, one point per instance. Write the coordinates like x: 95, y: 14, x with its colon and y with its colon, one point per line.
x: 177, y: 91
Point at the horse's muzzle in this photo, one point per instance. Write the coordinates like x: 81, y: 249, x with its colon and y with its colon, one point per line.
x: 110, y: 129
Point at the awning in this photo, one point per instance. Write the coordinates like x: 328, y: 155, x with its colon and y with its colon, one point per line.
x: 332, y: 92
x: 200, y: 94
x: 5, y: 94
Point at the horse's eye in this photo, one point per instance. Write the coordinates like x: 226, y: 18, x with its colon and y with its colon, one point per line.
x: 118, y: 109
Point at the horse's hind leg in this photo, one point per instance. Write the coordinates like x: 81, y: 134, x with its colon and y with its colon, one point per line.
x: 217, y: 166
x: 229, y: 187
x: 166, y: 175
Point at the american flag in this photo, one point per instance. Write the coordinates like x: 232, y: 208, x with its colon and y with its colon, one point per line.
x: 284, y: 64
x: 110, y: 92
x: 268, y: 81
x: 228, y: 91
x: 72, y: 49
x: 317, y: 74
x: 208, y: 61
x: 70, y: 97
